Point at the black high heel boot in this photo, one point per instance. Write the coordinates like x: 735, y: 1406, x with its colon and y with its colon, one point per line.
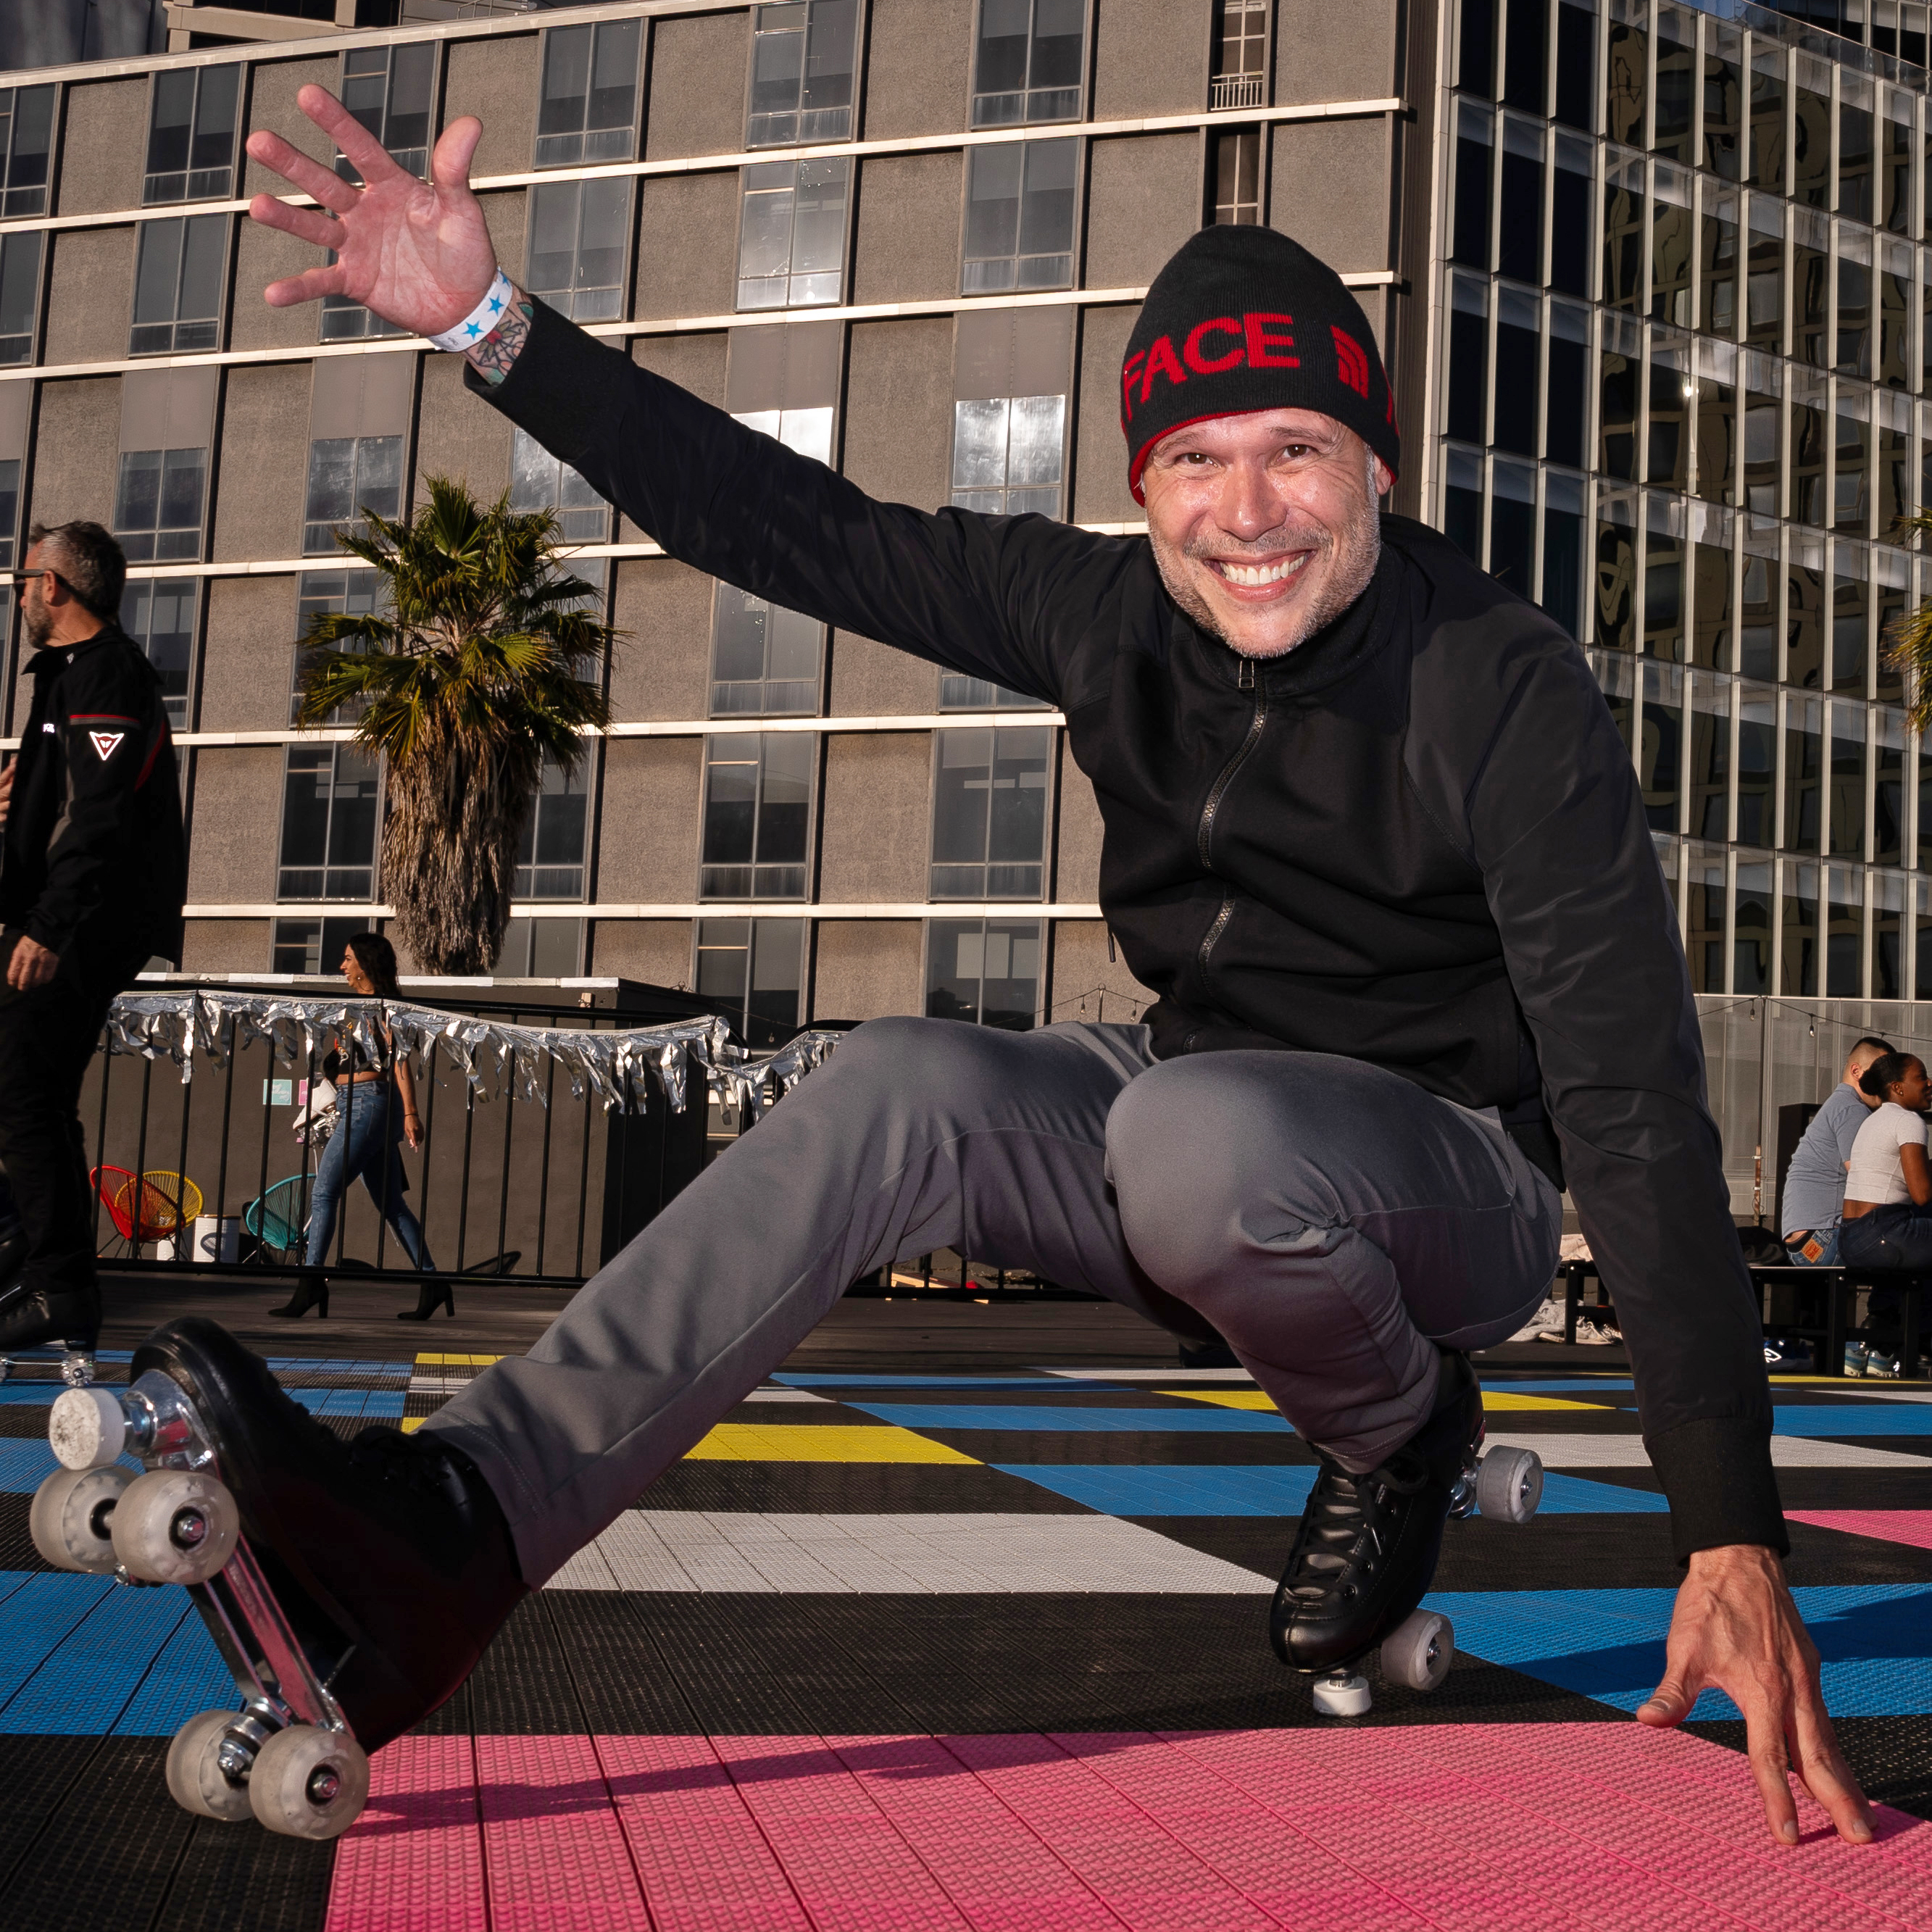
x: 431, y: 1296
x: 311, y: 1292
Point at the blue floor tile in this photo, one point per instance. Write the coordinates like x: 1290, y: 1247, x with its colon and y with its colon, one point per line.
x: 26, y: 1462
x: 1875, y: 1640
x: 1204, y: 1419
x: 1062, y: 1384
x: 1849, y: 1418
x: 364, y: 1405
x: 1173, y: 1489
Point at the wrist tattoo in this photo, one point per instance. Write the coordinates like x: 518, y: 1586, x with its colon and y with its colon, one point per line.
x: 491, y: 357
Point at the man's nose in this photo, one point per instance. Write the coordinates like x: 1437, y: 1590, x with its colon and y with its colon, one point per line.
x: 1249, y: 508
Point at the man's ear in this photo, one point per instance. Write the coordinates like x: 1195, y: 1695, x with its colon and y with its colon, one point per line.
x: 1384, y: 477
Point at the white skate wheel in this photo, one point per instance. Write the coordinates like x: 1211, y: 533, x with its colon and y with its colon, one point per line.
x: 309, y: 1782
x: 85, y: 1429
x: 1509, y: 1484
x: 195, y: 1780
x: 175, y: 1526
x: 70, y: 1518
x: 1417, y: 1653
x: 77, y: 1368
x: 1341, y: 1694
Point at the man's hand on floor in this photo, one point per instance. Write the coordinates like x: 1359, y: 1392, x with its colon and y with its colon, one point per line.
x: 417, y: 253
x: 1736, y: 1629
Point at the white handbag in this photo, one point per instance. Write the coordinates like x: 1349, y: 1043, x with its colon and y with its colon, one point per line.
x: 318, y: 1118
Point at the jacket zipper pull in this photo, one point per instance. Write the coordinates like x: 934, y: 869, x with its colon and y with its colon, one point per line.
x: 1244, y: 678
x: 1112, y: 956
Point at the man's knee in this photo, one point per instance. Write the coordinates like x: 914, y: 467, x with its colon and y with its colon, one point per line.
x: 903, y: 1063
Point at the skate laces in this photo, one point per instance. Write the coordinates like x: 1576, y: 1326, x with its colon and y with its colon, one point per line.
x: 1345, y: 1513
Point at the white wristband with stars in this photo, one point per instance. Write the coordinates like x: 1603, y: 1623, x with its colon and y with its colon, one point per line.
x: 478, y: 323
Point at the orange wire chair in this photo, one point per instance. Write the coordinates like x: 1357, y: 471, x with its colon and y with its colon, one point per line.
x: 152, y: 1206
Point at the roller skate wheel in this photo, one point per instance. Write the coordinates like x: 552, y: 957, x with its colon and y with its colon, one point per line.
x: 1509, y: 1484
x: 175, y: 1526
x: 71, y: 1517
x: 308, y: 1782
x: 1341, y: 1694
x: 1417, y: 1653
x: 77, y: 1368
x: 197, y: 1781
x: 85, y: 1429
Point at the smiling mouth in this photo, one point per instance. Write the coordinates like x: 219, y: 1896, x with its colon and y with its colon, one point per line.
x: 1258, y: 576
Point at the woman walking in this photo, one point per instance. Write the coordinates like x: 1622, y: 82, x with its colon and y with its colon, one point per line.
x: 376, y: 1101
x: 1888, y: 1220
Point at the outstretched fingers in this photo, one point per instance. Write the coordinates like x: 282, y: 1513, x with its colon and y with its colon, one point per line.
x: 306, y: 224
x: 310, y: 285
x: 302, y: 172
x: 370, y: 159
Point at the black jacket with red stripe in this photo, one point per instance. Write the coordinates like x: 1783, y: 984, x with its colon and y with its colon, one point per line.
x: 95, y: 861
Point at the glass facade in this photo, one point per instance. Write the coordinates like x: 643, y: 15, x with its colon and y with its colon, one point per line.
x: 1686, y: 324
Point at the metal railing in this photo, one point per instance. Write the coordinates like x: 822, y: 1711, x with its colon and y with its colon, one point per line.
x: 1227, y: 91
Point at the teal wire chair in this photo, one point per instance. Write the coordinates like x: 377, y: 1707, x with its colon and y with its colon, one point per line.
x: 273, y: 1219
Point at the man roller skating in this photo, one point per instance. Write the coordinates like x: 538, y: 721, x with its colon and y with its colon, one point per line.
x: 1372, y: 838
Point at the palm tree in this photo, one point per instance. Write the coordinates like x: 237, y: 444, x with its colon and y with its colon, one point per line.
x: 483, y: 664
x: 1910, y: 646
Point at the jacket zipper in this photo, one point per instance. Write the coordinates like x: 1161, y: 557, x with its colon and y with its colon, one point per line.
x: 1244, y: 681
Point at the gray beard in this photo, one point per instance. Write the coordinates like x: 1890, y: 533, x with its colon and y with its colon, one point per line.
x: 1357, y: 560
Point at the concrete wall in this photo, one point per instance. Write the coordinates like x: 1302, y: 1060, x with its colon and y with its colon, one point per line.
x: 497, y: 81
x: 876, y: 839
x: 1151, y: 57
x: 458, y: 434
x: 907, y: 247
x: 90, y: 297
x: 918, y: 68
x: 1147, y: 199
x: 647, y: 847
x: 688, y: 256
x: 1358, y: 65
x: 872, y: 680
x: 238, y: 817
x: 866, y: 969
x: 226, y: 946
x: 657, y: 951
x: 898, y: 410
x: 663, y: 667
x: 76, y: 452
x: 1331, y: 190
x: 699, y: 63
x: 248, y: 656
x: 264, y: 474
x: 271, y: 104
x: 103, y: 152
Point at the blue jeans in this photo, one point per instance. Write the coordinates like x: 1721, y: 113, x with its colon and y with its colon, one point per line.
x: 364, y: 1144
x: 1827, y: 1257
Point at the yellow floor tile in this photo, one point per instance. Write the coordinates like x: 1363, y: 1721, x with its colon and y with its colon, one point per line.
x: 1495, y: 1398
x: 457, y: 1361
x: 793, y: 1442
x: 1223, y: 1398
x: 411, y: 1423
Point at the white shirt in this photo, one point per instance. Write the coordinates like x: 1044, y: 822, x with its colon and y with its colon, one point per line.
x: 1877, y: 1174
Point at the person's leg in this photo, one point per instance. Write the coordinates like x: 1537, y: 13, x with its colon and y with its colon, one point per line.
x: 915, y: 1134
x: 384, y: 1181
x: 324, y: 1197
x: 1337, y: 1224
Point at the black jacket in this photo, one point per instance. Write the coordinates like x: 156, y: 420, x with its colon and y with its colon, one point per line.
x: 1416, y: 840
x: 95, y: 865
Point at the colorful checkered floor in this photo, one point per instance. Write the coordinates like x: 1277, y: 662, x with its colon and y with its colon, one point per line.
x: 987, y: 1650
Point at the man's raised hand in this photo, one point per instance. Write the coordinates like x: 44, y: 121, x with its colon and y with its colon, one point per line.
x: 417, y: 252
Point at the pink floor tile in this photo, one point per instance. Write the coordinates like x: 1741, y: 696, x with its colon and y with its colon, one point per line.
x: 413, y: 1862
x: 1912, y: 1526
x: 997, y: 1872
x: 703, y: 1860
x: 555, y: 1853
x: 849, y: 1866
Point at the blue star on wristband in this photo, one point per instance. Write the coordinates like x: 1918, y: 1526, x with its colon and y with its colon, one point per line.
x: 472, y: 330
x: 496, y: 305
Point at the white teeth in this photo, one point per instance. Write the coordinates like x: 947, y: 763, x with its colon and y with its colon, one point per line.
x: 1252, y: 576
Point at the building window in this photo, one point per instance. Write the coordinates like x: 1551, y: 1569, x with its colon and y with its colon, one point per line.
x: 20, y: 294
x: 589, y: 111
x: 550, y: 857
x: 1027, y: 66
x: 989, y: 813
x: 801, y: 66
x: 1237, y: 178
x: 1019, y: 217
x: 764, y: 658
x: 1008, y: 454
x: 329, y: 807
x: 157, y: 506
x: 26, y: 140
x: 10, y: 510
x: 984, y: 970
x: 191, y: 124
x: 1240, y: 56
x: 541, y: 948
x: 159, y: 613
x: 177, y: 285
x: 578, y: 234
x: 958, y: 692
x: 753, y: 969
x: 347, y: 475
x: 539, y: 481
x: 324, y: 593
x: 313, y: 947
x: 391, y: 91
x: 791, y: 237
x: 757, y: 815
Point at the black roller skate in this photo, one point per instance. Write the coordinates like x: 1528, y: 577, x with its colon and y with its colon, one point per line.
x: 350, y: 1586
x: 1365, y: 1553
x: 43, y: 1325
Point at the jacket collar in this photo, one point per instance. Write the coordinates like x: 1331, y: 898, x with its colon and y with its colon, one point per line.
x: 50, y: 659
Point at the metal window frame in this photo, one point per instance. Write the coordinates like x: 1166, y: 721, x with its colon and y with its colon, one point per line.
x: 779, y: 155
x: 1083, y: 107
x: 1049, y: 805
x: 638, y: 109
x: 627, y: 269
x: 244, y: 93
x: 334, y: 749
x: 815, y: 780
x: 1047, y: 927
x: 861, y: 23
x: 224, y: 278
x: 1077, y: 243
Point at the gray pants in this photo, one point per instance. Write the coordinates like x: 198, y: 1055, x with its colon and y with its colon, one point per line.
x: 1333, y: 1221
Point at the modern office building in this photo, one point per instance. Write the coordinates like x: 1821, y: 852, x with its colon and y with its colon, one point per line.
x: 1655, y: 282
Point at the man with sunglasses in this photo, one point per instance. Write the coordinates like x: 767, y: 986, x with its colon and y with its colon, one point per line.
x: 91, y: 881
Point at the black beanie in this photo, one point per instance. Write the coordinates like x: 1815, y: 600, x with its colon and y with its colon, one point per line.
x: 1243, y: 319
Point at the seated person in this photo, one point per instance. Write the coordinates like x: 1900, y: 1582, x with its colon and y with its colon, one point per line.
x: 1814, y: 1183
x: 1888, y: 1217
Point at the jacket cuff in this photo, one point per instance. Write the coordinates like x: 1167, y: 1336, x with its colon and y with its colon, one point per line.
x: 1716, y: 1472
x: 562, y: 377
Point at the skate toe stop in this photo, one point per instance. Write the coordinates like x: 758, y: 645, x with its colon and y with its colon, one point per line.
x: 85, y: 1429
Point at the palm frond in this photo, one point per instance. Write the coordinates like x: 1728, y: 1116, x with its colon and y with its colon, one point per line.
x: 1908, y: 644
